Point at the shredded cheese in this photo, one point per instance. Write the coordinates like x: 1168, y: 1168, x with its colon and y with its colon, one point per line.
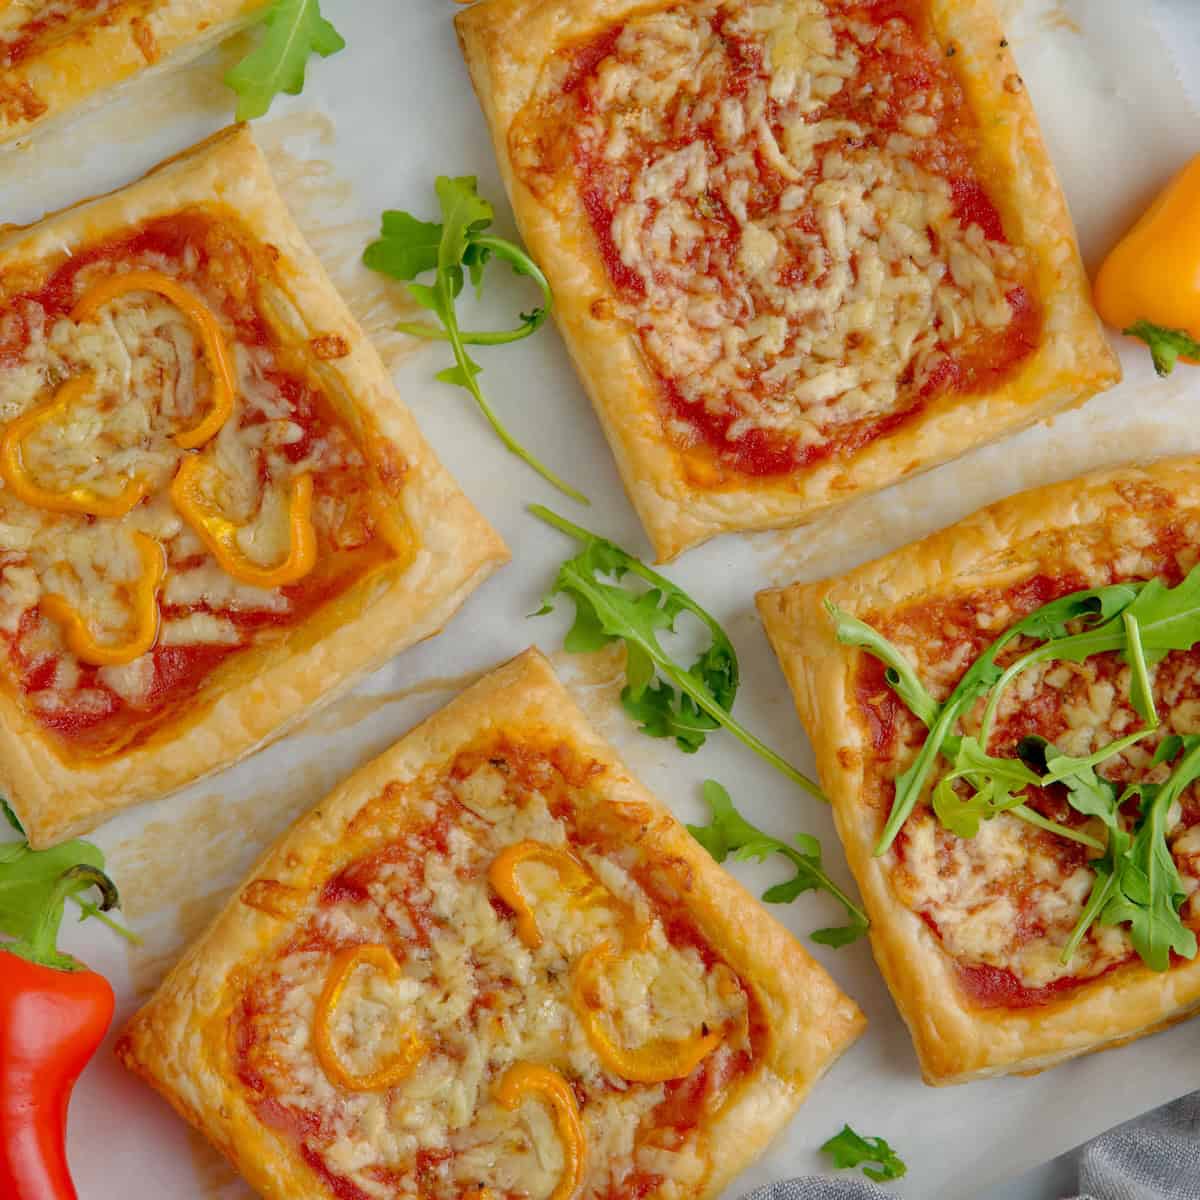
x: 482, y: 998
x: 790, y: 270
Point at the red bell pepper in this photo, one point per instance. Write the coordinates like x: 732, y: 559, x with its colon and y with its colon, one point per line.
x: 54, y: 1013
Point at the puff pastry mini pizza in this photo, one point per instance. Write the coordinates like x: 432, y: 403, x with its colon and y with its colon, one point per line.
x: 1006, y: 718
x: 799, y: 248
x: 58, y: 54
x: 491, y: 965
x: 214, y: 510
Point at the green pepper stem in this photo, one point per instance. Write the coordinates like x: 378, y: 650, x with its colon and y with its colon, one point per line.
x: 43, y: 943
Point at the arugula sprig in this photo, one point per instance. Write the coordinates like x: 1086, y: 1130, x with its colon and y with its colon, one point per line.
x: 1137, y: 883
x: 849, y: 1149
x: 1142, y: 621
x: 669, y: 700
x: 729, y: 833
x: 28, y: 877
x: 453, y: 248
x: 1167, y: 346
x: 293, y: 31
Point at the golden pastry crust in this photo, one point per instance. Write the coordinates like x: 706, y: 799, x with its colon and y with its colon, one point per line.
x: 506, y: 43
x: 265, y: 690
x: 180, y: 1043
x: 84, y: 58
x: 1094, y: 519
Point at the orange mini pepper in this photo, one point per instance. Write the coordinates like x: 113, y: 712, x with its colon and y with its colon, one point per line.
x: 1149, y: 286
x: 73, y: 500
x: 83, y: 643
x: 523, y: 1078
x: 411, y: 1048
x: 219, y: 533
x: 572, y: 874
x: 655, y: 1062
x: 216, y: 353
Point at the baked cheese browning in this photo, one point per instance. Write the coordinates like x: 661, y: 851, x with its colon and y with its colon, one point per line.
x: 1004, y: 903
x: 482, y: 1001
x: 787, y: 199
x: 28, y: 27
x: 145, y: 394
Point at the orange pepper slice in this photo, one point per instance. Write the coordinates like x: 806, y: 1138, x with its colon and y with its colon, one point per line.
x: 573, y: 875
x: 520, y: 1080
x: 103, y: 654
x: 411, y: 1050
x: 216, y: 353
x: 219, y: 534
x: 655, y: 1062
x: 73, y: 500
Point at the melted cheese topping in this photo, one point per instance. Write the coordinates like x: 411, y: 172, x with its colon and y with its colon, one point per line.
x: 784, y: 195
x: 151, y: 382
x: 481, y: 999
x: 1009, y: 898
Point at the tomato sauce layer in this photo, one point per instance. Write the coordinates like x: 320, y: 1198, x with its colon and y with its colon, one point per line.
x: 283, y: 424
x: 792, y: 210
x: 1004, y: 903
x: 423, y: 891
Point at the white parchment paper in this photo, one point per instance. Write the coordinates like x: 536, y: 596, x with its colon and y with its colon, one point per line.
x: 373, y: 128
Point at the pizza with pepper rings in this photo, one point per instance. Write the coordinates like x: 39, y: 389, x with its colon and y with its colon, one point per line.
x: 215, y: 513
x: 1005, y: 717
x: 490, y: 964
x: 800, y: 249
x: 58, y: 54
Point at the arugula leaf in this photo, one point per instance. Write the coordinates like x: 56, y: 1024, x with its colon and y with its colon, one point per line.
x: 1087, y: 792
x: 901, y: 675
x: 28, y: 878
x: 667, y: 698
x: 999, y: 785
x: 1166, y: 345
x: 730, y: 833
x: 457, y: 245
x: 1148, y: 892
x: 1141, y: 695
x: 1103, y: 887
x: 849, y: 1149
x: 294, y: 31
x: 1167, y: 619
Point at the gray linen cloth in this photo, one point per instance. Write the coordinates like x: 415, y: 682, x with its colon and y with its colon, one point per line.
x: 1156, y: 1157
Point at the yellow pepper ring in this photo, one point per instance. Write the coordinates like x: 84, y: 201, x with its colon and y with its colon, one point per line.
x: 524, y: 1077
x: 145, y: 605
x: 502, y: 875
x: 219, y: 534
x: 656, y: 1061
x: 412, y: 1048
x: 73, y: 500
x: 216, y: 353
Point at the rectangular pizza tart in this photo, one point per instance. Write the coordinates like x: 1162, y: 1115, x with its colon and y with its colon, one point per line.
x: 58, y: 54
x: 800, y: 248
x: 1005, y: 717
x: 491, y: 964
x: 214, y: 510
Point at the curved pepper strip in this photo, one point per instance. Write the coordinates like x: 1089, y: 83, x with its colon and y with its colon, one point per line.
x: 145, y: 608
x: 73, y: 500
x: 411, y: 1050
x: 572, y: 874
x: 219, y: 533
x: 655, y: 1062
x: 216, y: 353
x: 524, y: 1078
x: 1149, y: 285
